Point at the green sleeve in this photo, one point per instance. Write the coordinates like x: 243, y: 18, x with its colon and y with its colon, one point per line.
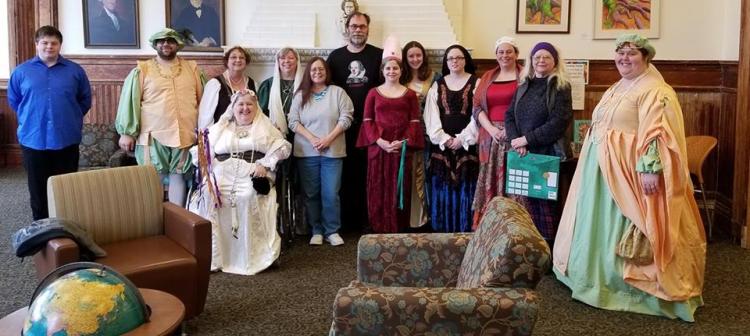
x: 650, y: 162
x: 203, y: 78
x: 128, y: 118
x: 264, y: 94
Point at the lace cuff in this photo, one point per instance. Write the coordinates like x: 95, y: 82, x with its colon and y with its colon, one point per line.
x: 271, y: 159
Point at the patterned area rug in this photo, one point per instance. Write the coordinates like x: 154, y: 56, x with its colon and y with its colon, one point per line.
x: 296, y: 297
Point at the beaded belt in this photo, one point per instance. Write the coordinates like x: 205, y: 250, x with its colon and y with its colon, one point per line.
x: 249, y: 156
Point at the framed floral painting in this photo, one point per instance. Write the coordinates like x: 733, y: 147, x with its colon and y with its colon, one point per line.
x: 615, y: 17
x: 543, y: 16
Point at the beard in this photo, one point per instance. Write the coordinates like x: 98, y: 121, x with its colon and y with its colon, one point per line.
x: 168, y: 56
x: 358, y: 40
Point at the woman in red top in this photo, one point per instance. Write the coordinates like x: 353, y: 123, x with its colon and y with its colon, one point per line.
x: 391, y: 119
x: 491, y: 99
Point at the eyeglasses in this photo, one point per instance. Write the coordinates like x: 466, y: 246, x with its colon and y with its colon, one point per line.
x: 542, y: 57
x: 455, y: 59
x: 357, y: 27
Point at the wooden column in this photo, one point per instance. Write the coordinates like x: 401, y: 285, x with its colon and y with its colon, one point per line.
x: 21, y: 27
x: 25, y: 17
x: 46, y: 13
x: 742, y: 148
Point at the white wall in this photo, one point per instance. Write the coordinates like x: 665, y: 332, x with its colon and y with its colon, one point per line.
x: 690, y: 30
x: 4, y: 41
x: 153, y: 18
x: 731, y: 33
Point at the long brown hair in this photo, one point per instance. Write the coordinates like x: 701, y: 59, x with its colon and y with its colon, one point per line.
x: 305, y: 88
x: 423, y: 73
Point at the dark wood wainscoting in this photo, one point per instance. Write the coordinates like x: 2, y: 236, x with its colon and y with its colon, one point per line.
x: 707, y: 91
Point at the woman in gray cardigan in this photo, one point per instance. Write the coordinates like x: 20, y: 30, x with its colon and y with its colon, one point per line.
x: 320, y: 114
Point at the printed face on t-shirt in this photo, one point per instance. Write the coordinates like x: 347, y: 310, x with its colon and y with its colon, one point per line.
x: 356, y: 73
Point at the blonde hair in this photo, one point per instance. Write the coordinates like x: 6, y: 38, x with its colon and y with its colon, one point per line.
x: 557, y: 72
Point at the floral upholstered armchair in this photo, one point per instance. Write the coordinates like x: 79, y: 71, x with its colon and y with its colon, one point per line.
x: 478, y: 283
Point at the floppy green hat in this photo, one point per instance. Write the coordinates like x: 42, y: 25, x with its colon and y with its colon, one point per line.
x: 166, y: 33
x: 639, y: 42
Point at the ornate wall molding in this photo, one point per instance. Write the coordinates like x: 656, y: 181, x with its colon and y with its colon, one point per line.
x: 267, y: 55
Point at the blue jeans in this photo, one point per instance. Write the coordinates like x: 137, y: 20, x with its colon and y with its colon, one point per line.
x: 321, y: 181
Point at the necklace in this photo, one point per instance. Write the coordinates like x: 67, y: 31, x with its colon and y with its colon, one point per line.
x: 606, y: 109
x: 234, y: 151
x: 234, y: 86
x: 286, y: 91
x: 317, y: 96
x: 174, y: 70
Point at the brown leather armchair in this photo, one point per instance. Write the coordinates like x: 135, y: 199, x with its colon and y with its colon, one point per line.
x: 156, y: 244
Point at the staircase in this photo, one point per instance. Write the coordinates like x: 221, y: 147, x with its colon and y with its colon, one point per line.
x: 425, y: 21
x: 280, y: 23
x: 312, y: 24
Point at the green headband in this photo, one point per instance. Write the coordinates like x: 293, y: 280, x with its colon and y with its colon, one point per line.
x: 167, y: 33
x: 639, y: 42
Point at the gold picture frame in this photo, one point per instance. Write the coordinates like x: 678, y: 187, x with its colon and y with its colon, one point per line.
x: 202, y: 28
x: 113, y: 27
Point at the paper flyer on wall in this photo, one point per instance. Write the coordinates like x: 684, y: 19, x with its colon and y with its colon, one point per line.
x: 578, y: 74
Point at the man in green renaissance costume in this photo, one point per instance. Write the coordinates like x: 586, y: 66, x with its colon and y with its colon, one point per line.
x: 158, y: 112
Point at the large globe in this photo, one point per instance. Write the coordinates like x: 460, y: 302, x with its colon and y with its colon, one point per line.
x: 90, y: 301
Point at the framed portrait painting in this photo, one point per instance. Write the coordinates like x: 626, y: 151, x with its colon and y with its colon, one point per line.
x: 200, y: 22
x: 612, y: 18
x: 543, y: 16
x: 110, y: 24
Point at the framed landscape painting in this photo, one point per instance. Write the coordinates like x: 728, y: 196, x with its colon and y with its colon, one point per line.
x: 200, y: 22
x: 543, y: 16
x: 613, y: 17
x: 110, y: 23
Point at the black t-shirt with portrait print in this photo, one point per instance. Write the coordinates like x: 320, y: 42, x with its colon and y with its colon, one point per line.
x: 356, y: 73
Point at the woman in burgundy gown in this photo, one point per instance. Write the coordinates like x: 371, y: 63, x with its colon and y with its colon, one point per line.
x: 391, y: 125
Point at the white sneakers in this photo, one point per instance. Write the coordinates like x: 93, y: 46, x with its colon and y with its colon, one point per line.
x: 316, y: 240
x: 335, y: 239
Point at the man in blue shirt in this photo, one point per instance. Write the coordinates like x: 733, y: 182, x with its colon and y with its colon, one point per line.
x: 50, y: 95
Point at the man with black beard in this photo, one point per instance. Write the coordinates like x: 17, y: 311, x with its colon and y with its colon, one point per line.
x: 355, y: 67
x: 158, y: 112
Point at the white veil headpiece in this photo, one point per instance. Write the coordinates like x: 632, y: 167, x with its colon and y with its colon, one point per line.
x: 275, y: 105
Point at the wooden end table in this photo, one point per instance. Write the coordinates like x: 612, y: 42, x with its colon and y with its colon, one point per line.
x: 167, y: 312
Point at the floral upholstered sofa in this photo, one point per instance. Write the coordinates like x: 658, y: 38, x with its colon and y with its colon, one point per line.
x: 478, y: 283
x: 99, y: 148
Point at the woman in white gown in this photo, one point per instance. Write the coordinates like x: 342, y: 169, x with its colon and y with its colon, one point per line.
x: 237, y: 164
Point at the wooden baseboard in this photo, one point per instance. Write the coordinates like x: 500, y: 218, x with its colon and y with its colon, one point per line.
x: 10, y: 155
